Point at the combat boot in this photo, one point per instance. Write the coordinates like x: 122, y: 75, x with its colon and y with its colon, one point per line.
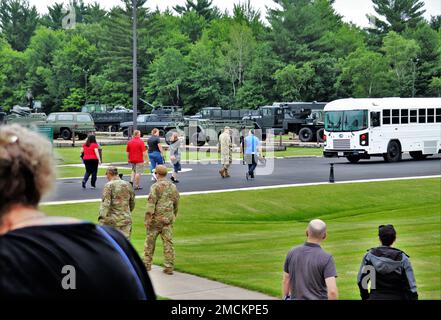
x: 222, y: 172
x: 168, y: 271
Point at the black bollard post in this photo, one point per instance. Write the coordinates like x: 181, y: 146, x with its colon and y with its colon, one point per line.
x: 331, y: 174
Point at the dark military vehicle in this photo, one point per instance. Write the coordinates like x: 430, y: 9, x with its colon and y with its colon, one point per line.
x: 108, y: 118
x: 147, y: 122
x: 24, y: 116
x: 302, y: 118
x: 201, y: 131
x: 217, y: 113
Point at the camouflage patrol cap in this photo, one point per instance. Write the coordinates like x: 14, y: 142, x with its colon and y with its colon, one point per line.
x: 161, y: 170
x: 227, y: 128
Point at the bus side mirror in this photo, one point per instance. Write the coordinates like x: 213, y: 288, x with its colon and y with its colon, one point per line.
x: 375, y: 119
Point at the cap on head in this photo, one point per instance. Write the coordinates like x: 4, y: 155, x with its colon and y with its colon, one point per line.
x: 227, y: 128
x: 387, y: 234
x: 161, y: 170
x: 317, y: 229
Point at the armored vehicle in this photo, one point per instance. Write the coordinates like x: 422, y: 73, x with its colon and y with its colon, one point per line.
x: 108, y: 118
x: 65, y: 124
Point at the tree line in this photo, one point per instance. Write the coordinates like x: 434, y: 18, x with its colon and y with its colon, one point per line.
x: 195, y: 55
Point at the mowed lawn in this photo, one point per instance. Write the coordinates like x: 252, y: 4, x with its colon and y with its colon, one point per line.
x: 117, y: 154
x: 242, y: 237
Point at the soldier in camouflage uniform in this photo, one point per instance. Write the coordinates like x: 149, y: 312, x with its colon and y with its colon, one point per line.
x: 117, y: 203
x: 226, y: 150
x: 162, y: 208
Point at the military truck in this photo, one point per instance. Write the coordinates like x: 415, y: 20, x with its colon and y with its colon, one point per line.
x: 107, y: 118
x: 66, y: 124
x: 201, y: 131
x: 302, y: 118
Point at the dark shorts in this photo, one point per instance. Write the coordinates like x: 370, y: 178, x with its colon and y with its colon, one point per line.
x: 177, y: 167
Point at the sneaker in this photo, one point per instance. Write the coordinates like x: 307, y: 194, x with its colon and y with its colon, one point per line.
x: 93, y: 187
x: 176, y: 181
x: 172, y: 179
x: 138, y: 188
x: 83, y: 184
x: 168, y: 271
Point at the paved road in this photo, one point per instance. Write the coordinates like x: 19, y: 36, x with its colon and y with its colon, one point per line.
x: 205, y: 177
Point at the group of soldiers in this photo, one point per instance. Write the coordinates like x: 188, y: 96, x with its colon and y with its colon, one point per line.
x: 118, y: 201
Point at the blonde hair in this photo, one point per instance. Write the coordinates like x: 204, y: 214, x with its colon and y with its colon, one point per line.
x: 26, y: 167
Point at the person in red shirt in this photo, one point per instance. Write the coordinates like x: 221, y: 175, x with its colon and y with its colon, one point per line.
x: 91, y: 159
x: 136, y: 153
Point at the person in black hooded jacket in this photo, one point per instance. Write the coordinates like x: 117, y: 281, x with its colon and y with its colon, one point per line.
x: 388, y: 270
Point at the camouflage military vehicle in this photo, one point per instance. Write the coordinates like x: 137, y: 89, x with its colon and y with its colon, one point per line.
x: 201, y: 131
x: 65, y: 124
x: 24, y: 117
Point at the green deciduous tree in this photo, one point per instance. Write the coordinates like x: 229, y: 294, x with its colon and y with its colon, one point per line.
x: 364, y: 74
x: 166, y: 76
x: 292, y: 82
x: 402, y: 56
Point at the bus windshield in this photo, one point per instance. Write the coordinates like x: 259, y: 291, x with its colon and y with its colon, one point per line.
x: 354, y: 120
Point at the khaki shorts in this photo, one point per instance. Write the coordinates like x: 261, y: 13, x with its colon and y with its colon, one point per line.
x: 138, y: 167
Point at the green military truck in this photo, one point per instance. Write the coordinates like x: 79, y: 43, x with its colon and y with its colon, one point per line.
x: 201, y: 131
x: 66, y: 124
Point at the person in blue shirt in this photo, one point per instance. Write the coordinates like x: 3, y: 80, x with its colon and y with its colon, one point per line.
x: 251, y: 153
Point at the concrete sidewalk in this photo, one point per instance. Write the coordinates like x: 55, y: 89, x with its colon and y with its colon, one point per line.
x: 183, y: 286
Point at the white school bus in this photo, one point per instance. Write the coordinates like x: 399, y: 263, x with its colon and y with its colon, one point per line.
x: 386, y: 127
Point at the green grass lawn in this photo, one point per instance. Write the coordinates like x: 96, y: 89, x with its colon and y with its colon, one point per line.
x: 117, y: 153
x: 242, y: 238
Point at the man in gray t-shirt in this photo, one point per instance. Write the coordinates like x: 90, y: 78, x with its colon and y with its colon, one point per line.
x: 309, y: 271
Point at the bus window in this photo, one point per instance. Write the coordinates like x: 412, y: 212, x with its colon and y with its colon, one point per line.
x: 413, y: 116
x: 421, y: 115
x: 386, y: 116
x: 375, y: 119
x: 396, y: 116
x: 404, y: 116
x: 430, y: 115
x: 334, y: 121
x: 438, y: 115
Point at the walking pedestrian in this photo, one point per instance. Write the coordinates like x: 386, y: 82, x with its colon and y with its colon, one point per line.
x: 91, y: 160
x: 162, y: 209
x: 175, y: 156
x: 226, y: 150
x: 155, y: 152
x: 56, y: 258
x: 117, y: 203
x: 388, y: 270
x: 136, y: 154
x: 252, y: 148
x: 309, y: 272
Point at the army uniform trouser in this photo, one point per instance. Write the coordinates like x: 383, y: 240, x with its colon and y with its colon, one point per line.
x: 126, y: 230
x: 166, y: 233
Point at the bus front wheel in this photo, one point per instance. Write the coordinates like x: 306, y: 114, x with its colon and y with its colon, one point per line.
x: 353, y: 159
x: 393, y: 153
